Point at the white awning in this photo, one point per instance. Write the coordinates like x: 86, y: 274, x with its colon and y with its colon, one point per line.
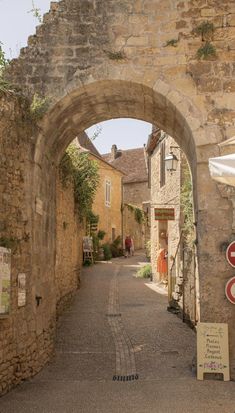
x: 222, y: 169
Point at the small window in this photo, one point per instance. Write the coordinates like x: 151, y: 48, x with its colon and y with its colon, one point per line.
x: 162, y: 164
x: 107, y: 193
x: 113, y: 234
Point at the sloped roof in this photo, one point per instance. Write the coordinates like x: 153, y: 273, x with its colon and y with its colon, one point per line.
x: 131, y: 162
x: 85, y: 143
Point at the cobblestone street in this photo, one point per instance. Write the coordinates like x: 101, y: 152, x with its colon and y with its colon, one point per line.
x: 119, y: 350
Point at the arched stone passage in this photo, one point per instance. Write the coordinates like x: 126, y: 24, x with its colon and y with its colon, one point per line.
x: 98, y: 60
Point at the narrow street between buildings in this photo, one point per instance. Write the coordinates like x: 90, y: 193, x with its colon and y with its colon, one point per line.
x: 119, y: 350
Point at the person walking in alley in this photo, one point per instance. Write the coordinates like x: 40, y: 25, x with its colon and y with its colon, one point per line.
x: 128, y: 244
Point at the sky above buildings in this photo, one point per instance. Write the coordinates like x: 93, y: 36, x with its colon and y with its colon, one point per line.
x: 17, y: 22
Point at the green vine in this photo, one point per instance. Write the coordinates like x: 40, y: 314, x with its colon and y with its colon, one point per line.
x: 115, y: 55
x: 206, y: 51
x: 76, y: 167
x: 172, y: 42
x: 186, y: 200
x: 39, y: 107
x: 9, y: 242
x: 138, y: 212
x: 205, y: 29
x: 5, y: 86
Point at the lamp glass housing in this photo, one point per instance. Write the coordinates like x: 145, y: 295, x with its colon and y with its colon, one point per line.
x: 171, y: 162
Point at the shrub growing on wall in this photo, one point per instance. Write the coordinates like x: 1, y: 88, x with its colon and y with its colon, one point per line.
x: 76, y: 167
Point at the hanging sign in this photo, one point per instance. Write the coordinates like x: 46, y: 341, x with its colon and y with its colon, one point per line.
x: 212, y: 349
x: 230, y: 290
x: 230, y: 254
x: 5, y: 280
x: 164, y: 214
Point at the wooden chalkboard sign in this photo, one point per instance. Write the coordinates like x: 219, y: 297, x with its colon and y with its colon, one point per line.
x: 212, y: 349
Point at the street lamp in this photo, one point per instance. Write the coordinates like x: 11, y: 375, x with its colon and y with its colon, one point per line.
x: 171, y: 161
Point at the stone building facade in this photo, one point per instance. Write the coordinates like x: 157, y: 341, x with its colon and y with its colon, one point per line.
x: 133, y: 164
x: 96, y: 61
x: 168, y: 237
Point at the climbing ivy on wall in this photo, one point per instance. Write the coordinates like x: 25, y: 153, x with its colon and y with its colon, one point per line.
x: 138, y: 212
x: 186, y: 200
x: 76, y: 167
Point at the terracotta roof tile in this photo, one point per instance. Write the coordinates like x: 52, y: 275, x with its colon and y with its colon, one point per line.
x: 132, y: 162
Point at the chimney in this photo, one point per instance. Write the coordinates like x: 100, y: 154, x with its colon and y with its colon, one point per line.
x: 114, y: 152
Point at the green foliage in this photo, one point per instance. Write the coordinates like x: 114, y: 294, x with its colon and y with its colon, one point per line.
x: 107, y: 252
x: 5, y: 86
x: 87, y: 263
x: 97, y: 132
x: 186, y: 200
x: 3, y: 60
x: 115, y: 55
x: 116, y: 247
x: 9, y: 242
x: 138, y: 212
x: 205, y: 29
x: 206, y: 51
x: 76, y: 167
x: 36, y: 12
x: 144, y: 272
x: 172, y: 42
x: 39, y: 106
x: 101, y: 235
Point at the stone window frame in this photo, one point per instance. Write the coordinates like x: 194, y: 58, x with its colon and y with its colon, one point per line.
x: 108, y: 193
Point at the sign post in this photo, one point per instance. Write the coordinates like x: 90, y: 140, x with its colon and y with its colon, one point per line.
x: 212, y: 349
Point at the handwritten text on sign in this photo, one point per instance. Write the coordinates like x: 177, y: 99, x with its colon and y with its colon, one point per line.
x: 212, y: 349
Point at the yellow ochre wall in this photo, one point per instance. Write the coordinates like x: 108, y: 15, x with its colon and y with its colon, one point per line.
x: 109, y: 217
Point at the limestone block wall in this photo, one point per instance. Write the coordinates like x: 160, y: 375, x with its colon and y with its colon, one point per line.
x: 136, y: 193
x: 69, y: 255
x: 26, y: 334
x: 133, y: 228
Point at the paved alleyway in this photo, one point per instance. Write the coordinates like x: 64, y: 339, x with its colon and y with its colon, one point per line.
x: 118, y: 327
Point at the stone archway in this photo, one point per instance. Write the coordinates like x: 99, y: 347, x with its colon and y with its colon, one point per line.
x: 100, y: 60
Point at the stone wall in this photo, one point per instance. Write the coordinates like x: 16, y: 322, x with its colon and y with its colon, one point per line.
x: 133, y: 228
x: 26, y: 335
x: 135, y: 193
x: 99, y: 60
x: 166, y: 196
x: 69, y: 255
